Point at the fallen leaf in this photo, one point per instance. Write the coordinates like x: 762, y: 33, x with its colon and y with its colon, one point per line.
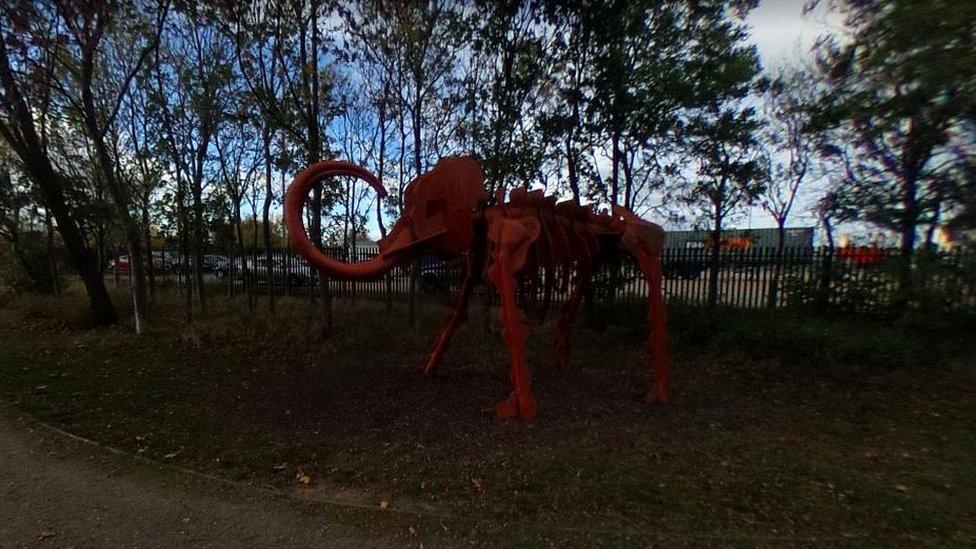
x: 412, y: 530
x: 901, y: 488
x: 786, y: 439
x: 384, y: 504
x: 302, y: 479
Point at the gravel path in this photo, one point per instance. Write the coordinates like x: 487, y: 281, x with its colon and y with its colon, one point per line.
x: 58, y: 492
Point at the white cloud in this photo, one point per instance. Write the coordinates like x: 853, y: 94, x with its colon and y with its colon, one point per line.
x: 782, y: 32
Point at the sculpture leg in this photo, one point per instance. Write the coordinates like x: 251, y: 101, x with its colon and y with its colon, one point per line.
x: 458, y: 316
x: 509, y: 253
x: 657, y: 319
x: 567, y: 320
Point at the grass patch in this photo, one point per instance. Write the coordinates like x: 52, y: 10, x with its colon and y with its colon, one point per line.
x: 784, y: 429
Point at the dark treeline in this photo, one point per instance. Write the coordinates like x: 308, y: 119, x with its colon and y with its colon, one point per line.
x: 151, y: 123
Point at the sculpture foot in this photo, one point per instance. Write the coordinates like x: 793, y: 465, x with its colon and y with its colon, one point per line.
x: 430, y: 369
x: 657, y: 395
x: 514, y: 406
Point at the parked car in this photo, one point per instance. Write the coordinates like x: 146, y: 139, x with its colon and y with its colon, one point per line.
x: 216, y: 263
x: 166, y: 261
x: 121, y: 264
x: 257, y: 267
x: 211, y: 263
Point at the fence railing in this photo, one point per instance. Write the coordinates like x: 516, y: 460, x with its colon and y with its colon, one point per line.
x: 849, y: 279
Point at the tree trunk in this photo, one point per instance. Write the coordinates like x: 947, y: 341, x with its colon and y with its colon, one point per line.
x: 129, y: 227
x: 826, y: 267
x: 52, y: 261
x: 101, y: 248
x: 352, y: 249
x: 286, y: 253
x: 381, y: 165
x: 628, y: 181
x: 197, y: 190
x: 417, y: 168
x: 184, y: 271
x: 572, y: 171
x: 615, y: 171
x: 147, y: 235
x: 242, y: 256
x: 100, y: 308
x: 571, y: 160
x: 714, y: 260
x: 266, y: 218
x: 115, y: 271
x: 778, y: 266
x: 314, y: 155
x: 909, y: 237
x: 412, y: 307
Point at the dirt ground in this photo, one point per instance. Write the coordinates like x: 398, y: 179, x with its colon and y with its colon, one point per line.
x: 59, y: 492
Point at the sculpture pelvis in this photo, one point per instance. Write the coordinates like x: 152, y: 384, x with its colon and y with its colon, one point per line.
x: 528, y: 246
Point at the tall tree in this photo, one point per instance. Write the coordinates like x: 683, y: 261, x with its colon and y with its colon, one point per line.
x: 199, y: 59
x: 791, y: 149
x: 512, y: 54
x: 304, y: 105
x: 902, y: 87
x: 24, y: 126
x: 238, y: 167
x: 730, y: 173
x: 108, y: 45
x: 421, y: 52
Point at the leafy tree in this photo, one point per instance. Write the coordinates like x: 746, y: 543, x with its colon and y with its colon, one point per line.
x: 791, y: 153
x: 30, y: 72
x: 902, y: 88
x: 289, y: 33
x: 33, y: 265
x: 238, y: 172
x: 724, y: 145
x: 512, y: 64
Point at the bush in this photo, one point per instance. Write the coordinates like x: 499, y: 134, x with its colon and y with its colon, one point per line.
x: 795, y: 336
x: 943, y: 284
x: 27, y: 269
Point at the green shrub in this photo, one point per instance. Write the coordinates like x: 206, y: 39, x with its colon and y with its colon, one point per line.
x: 27, y: 269
x: 794, y: 336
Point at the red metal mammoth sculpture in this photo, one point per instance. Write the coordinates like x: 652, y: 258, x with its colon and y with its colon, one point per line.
x: 529, y: 241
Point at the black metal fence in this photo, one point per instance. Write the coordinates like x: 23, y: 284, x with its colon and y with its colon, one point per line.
x: 848, y: 279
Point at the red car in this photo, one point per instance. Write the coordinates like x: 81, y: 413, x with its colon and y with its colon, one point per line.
x: 861, y: 255
x: 121, y: 264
